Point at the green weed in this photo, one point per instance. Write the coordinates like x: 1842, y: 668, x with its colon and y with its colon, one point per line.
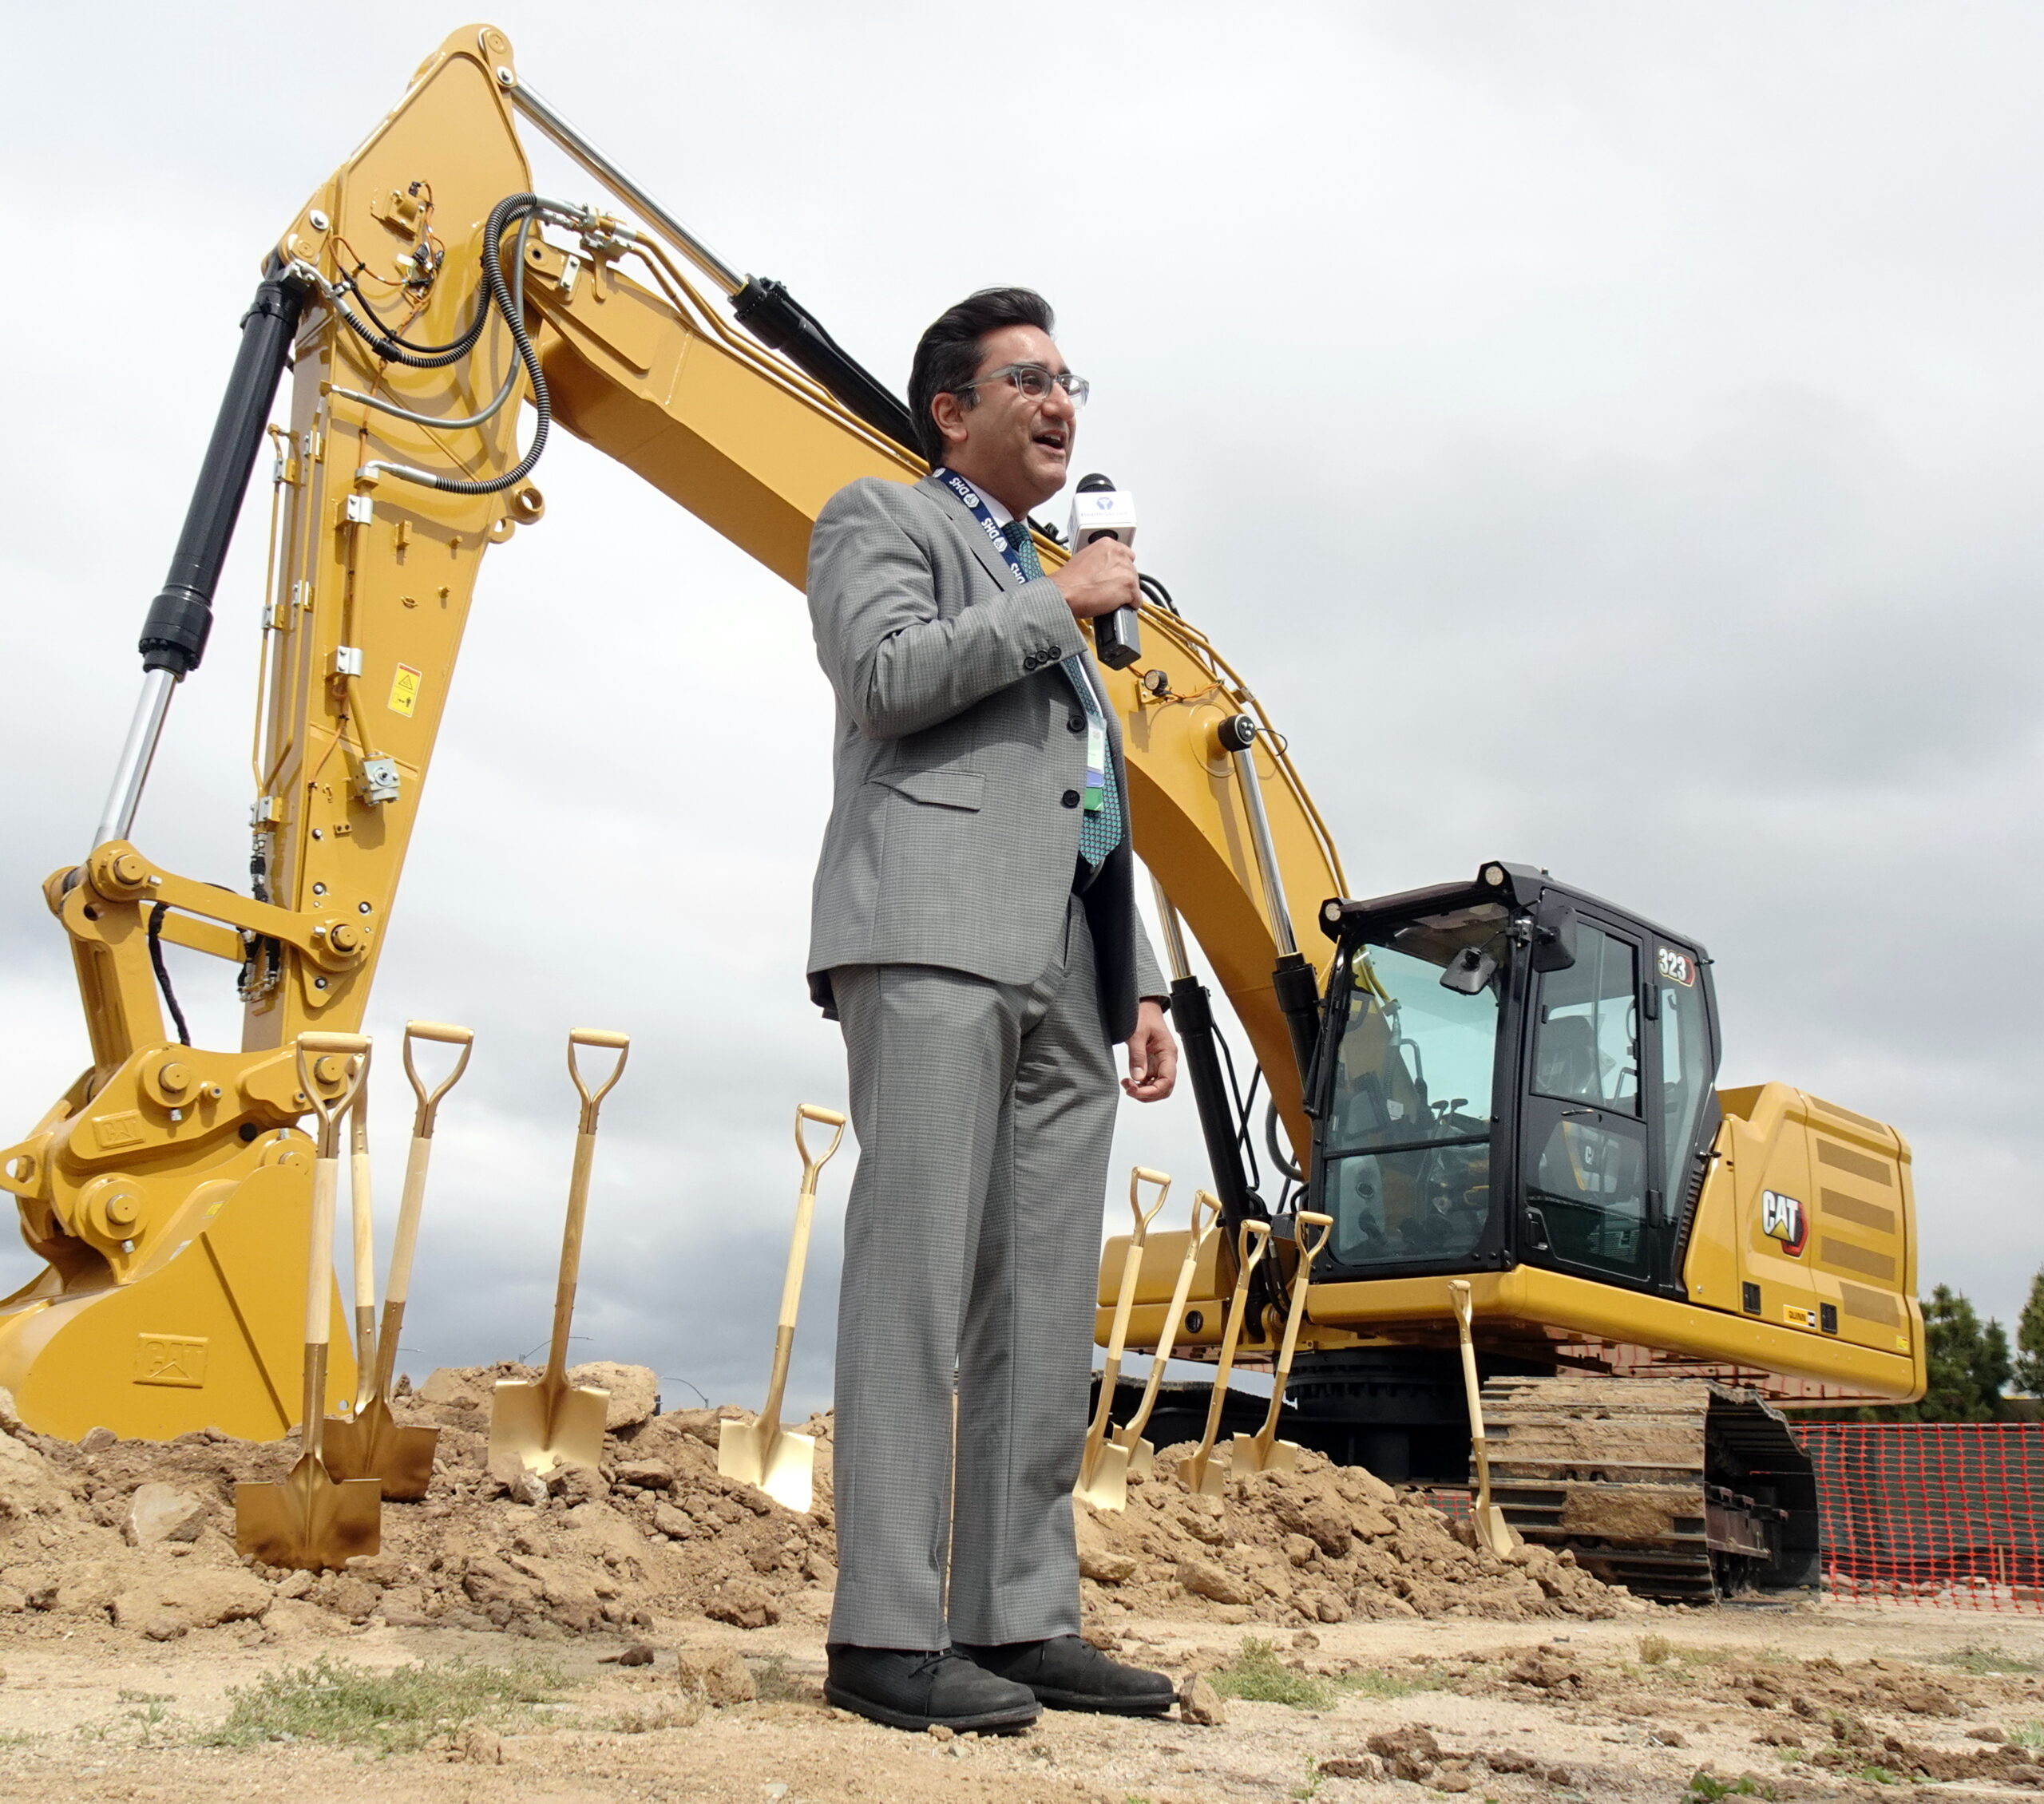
x: 1705, y: 1787
x: 1258, y: 1675
x: 395, y: 1711
x: 1981, y: 1660
x: 1372, y: 1682
x: 2027, y: 1735
x: 1312, y: 1781
x: 139, y: 1726
x: 1881, y: 1775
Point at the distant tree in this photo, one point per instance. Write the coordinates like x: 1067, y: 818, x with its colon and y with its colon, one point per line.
x: 1968, y: 1363
x: 2029, y: 1342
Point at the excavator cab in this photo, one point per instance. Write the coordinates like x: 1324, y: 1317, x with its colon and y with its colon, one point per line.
x: 1512, y: 1072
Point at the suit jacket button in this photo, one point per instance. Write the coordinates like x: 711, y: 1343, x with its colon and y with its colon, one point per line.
x: 1074, y: 723
x: 1070, y: 798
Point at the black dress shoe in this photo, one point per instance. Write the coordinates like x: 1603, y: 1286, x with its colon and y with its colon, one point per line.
x: 917, y: 1690
x: 1069, y: 1673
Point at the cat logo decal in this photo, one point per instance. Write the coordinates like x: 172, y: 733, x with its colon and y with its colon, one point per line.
x: 1783, y: 1219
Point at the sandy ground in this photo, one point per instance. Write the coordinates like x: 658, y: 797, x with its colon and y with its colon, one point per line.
x: 93, y: 1714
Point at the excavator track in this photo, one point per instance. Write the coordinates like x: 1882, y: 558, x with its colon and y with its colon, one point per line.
x: 1680, y: 1489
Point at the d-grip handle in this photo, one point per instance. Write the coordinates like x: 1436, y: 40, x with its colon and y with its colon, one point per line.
x: 605, y: 1038
x: 812, y: 1163
x: 442, y: 1034
x: 329, y: 1110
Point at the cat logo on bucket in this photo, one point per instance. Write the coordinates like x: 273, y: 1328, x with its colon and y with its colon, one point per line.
x: 1783, y: 1219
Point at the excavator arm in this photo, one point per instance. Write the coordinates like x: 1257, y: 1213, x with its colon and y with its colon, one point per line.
x: 439, y: 320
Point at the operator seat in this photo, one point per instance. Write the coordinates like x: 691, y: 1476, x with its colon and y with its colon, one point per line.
x: 1564, y: 1059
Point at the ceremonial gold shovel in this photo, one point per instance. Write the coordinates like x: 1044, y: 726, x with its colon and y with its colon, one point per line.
x: 1263, y: 1451
x: 308, y: 1520
x: 362, y: 1223
x: 375, y: 1444
x: 1200, y: 1472
x: 552, y: 1422
x: 1498, y: 1535
x: 760, y: 1452
x: 1142, y: 1457
x: 1104, y: 1488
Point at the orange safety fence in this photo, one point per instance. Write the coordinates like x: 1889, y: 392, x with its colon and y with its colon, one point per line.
x: 1947, y: 1513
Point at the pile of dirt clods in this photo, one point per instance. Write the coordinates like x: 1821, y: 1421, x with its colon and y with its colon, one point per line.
x: 141, y: 1533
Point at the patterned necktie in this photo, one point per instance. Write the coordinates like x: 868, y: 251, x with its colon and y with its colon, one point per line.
x: 1099, y: 829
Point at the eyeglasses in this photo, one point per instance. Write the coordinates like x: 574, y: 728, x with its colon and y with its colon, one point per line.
x: 1035, y: 382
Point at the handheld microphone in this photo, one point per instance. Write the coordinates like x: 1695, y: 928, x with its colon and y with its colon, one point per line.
x: 1101, y: 511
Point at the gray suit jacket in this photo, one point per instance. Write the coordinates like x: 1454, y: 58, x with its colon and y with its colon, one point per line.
x: 959, y: 739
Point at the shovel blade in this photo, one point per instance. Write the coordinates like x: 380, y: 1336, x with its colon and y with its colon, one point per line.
x: 1142, y: 1460
x: 1246, y: 1454
x: 779, y: 1463
x: 1105, y: 1485
x: 308, y: 1521
x: 1499, y: 1536
x: 376, y: 1444
x: 543, y: 1425
x: 1213, y: 1481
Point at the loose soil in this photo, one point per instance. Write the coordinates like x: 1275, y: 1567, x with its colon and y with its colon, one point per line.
x: 1431, y: 1668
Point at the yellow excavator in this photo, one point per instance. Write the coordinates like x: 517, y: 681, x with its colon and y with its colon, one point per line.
x: 1504, y: 1080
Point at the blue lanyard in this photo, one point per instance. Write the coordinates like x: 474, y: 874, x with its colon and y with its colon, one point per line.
x: 1096, y: 721
x: 970, y: 496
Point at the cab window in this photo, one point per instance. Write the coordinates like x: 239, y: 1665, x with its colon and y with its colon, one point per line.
x: 1586, y: 1047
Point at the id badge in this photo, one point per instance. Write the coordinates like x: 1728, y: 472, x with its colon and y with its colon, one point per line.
x: 1096, y: 765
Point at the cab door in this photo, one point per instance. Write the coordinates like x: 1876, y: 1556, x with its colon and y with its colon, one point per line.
x: 1587, y: 1166
x: 1681, y: 1058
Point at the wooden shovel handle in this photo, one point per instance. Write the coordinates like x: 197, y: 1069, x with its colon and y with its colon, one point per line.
x: 1248, y: 1258
x: 592, y: 1101
x: 1205, y: 1212
x: 429, y: 1099
x: 812, y: 1163
x: 360, y: 1201
x: 330, y: 1110
x: 1302, y: 1286
x: 784, y: 1332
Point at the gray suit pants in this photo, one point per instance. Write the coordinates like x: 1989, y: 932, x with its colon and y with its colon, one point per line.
x: 984, y: 1112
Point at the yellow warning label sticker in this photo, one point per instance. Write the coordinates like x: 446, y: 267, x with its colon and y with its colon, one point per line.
x: 404, y: 692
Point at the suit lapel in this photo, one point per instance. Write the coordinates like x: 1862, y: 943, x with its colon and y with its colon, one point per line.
x: 970, y: 530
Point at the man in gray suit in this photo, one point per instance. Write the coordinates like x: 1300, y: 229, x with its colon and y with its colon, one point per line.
x: 975, y: 931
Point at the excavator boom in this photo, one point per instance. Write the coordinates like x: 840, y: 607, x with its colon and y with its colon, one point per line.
x: 441, y: 319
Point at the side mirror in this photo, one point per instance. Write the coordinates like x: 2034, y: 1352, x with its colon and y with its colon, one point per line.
x: 1469, y: 971
x: 1554, y: 938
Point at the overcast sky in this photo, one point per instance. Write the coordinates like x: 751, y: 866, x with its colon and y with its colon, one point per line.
x: 1605, y: 436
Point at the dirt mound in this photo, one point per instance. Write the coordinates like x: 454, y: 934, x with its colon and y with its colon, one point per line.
x: 1321, y: 1543
x: 141, y: 1534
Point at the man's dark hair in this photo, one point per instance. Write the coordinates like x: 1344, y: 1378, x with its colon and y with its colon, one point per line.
x: 948, y: 352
